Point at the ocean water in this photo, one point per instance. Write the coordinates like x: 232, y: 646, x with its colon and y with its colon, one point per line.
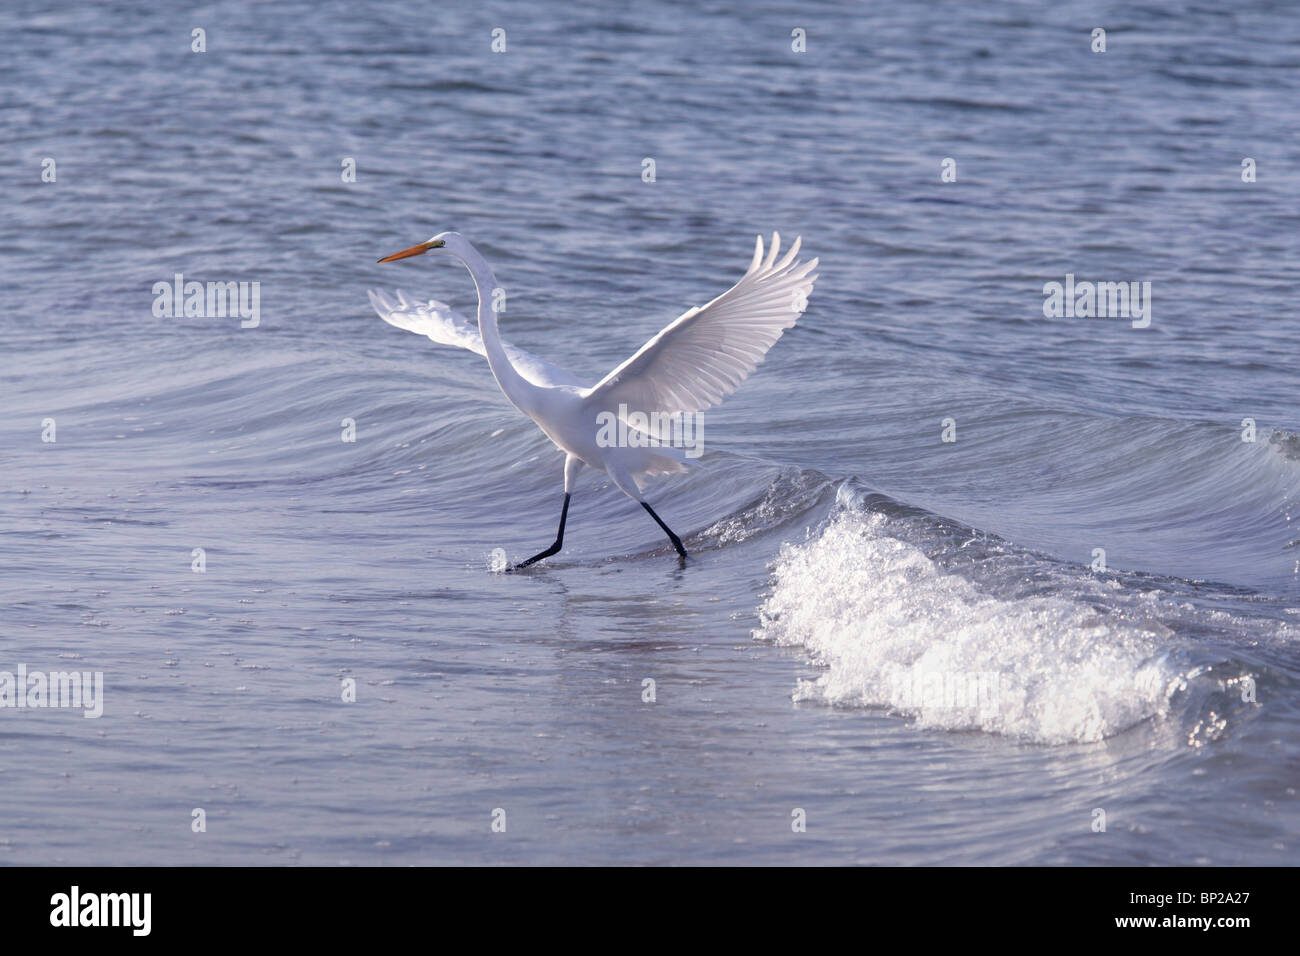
x: 1084, y: 609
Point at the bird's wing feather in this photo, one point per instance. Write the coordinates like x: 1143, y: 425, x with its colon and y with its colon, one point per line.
x: 437, y: 320
x: 704, y: 355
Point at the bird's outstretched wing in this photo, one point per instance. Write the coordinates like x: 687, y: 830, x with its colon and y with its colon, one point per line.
x: 704, y: 355
x: 437, y: 320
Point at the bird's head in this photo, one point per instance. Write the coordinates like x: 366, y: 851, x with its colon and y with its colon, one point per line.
x: 444, y: 243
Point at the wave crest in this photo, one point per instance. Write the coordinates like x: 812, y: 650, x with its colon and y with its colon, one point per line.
x: 896, y: 631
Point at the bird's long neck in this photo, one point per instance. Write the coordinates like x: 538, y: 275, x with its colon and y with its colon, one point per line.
x: 518, y: 389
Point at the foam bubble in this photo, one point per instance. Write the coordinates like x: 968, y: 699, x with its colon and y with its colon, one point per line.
x: 894, y: 630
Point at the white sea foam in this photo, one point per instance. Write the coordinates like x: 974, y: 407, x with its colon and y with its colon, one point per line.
x: 894, y: 630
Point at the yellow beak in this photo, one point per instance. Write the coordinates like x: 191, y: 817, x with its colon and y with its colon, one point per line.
x: 419, y: 250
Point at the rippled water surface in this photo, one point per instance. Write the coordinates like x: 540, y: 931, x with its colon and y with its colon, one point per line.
x: 910, y: 640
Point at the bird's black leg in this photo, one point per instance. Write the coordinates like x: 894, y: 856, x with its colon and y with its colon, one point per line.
x: 559, y: 539
x: 677, y: 542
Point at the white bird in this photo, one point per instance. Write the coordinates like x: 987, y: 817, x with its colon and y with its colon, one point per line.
x: 692, y: 364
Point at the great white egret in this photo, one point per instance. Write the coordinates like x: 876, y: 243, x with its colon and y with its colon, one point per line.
x: 692, y: 364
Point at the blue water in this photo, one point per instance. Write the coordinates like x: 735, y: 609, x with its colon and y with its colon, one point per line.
x: 837, y: 543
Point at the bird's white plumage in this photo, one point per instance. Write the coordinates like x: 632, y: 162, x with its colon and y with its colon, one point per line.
x: 692, y: 364
x: 706, y: 353
x: 440, y: 323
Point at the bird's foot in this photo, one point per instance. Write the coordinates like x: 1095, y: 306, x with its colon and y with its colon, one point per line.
x: 553, y: 549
